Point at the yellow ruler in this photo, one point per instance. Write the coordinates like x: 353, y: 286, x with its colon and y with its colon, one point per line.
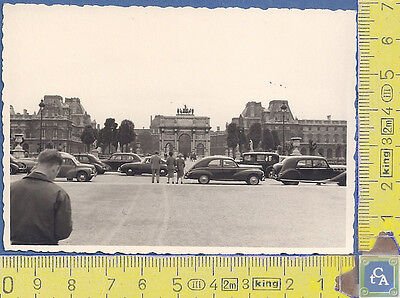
x: 378, y: 108
x: 195, y: 276
x: 247, y: 276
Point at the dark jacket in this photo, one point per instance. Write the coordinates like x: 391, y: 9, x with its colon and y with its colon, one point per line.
x: 155, y: 162
x: 40, y: 211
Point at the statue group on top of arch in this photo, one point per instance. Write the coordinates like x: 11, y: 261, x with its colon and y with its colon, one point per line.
x: 184, y: 111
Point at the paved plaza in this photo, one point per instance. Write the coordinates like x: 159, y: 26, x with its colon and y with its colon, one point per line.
x: 115, y: 209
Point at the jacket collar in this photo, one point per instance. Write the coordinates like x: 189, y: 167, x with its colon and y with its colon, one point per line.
x: 38, y: 176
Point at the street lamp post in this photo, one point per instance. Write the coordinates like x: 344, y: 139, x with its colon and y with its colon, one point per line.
x: 283, y: 109
x: 41, y: 105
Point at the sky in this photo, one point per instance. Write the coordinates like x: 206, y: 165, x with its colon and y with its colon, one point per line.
x: 131, y: 63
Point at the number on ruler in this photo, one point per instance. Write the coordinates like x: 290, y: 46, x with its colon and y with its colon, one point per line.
x: 384, y: 5
x: 37, y: 283
x: 142, y: 284
x: 289, y: 284
x: 321, y: 280
x: 177, y: 285
x: 388, y: 75
x: 112, y: 281
x: 8, y: 284
x: 72, y: 284
x: 387, y: 40
x: 387, y: 110
x: 386, y: 186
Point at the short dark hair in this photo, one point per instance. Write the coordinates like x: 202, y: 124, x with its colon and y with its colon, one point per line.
x: 156, y: 152
x: 171, y: 153
x: 50, y: 156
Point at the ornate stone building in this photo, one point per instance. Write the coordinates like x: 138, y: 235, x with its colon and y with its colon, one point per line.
x: 183, y: 133
x: 329, y: 135
x: 63, y: 123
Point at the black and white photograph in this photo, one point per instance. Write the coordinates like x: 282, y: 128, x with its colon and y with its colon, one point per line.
x: 178, y: 130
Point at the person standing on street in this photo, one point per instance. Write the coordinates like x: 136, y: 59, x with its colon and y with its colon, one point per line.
x: 180, y: 166
x: 155, y: 162
x: 171, y: 163
x: 40, y: 210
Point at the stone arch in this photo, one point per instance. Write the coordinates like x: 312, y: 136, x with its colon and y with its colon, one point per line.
x: 200, y: 149
x: 168, y: 147
x: 185, y: 144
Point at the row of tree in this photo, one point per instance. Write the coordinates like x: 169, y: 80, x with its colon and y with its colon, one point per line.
x: 110, y: 135
x: 264, y: 139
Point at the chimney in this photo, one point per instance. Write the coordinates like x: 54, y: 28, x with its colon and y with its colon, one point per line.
x: 218, y: 128
x: 25, y: 111
x: 329, y: 117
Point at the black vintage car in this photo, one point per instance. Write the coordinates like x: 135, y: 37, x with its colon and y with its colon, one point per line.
x: 118, y: 159
x: 72, y: 169
x: 311, y: 169
x: 224, y: 169
x: 90, y: 159
x: 143, y: 167
x: 16, y: 166
x: 264, y: 159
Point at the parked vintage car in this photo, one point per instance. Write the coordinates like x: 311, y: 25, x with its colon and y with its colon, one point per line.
x: 29, y: 162
x: 311, y: 169
x: 264, y: 159
x: 276, y: 168
x: 90, y: 159
x: 16, y: 166
x: 224, y: 169
x: 71, y: 169
x: 143, y: 167
x: 118, y: 159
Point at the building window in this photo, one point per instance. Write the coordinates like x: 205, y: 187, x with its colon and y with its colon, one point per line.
x: 327, y: 128
x: 318, y: 128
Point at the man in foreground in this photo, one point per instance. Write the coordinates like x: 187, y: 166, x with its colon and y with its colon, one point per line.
x: 40, y: 210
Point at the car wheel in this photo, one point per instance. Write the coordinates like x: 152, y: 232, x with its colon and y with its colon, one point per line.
x: 253, y: 180
x: 130, y: 172
x: 82, y: 176
x: 163, y: 173
x: 204, y: 179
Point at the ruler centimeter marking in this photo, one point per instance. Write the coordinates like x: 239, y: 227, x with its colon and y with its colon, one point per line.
x: 378, y: 106
x: 155, y: 276
x: 271, y: 276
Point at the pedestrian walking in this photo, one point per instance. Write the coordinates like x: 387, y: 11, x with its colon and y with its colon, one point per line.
x: 180, y: 168
x: 40, y: 210
x: 171, y: 164
x: 155, y: 163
